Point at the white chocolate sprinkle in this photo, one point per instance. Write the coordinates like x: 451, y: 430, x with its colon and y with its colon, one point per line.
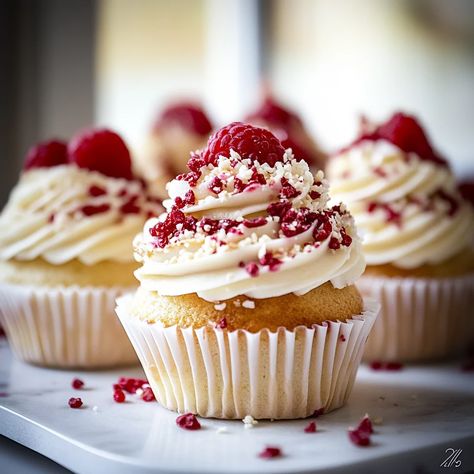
x: 220, y: 306
x: 249, y: 304
x: 249, y: 421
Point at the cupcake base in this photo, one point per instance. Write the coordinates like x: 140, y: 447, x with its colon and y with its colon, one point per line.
x: 65, y: 327
x: 421, y: 319
x: 268, y: 375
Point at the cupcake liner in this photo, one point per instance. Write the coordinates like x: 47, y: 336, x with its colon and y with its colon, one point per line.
x: 65, y: 327
x: 421, y: 318
x: 278, y: 375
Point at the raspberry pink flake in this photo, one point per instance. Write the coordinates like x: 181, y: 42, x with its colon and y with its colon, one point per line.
x: 311, y: 427
x: 75, y: 402
x: 222, y: 323
x: 287, y: 190
x: 252, y: 269
x: 91, y: 210
x: 256, y: 222
x: 77, y: 384
x: 270, y: 452
x: 95, y: 191
x: 188, y: 421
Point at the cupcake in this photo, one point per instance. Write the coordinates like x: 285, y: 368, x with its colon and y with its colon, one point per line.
x: 180, y: 128
x: 65, y: 256
x: 290, y: 130
x: 246, y: 304
x: 417, y: 232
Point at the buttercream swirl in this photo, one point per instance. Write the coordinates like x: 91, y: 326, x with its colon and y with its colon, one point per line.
x: 408, y: 209
x: 64, y: 213
x: 245, y: 228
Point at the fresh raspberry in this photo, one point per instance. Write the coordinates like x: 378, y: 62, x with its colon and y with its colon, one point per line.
x: 248, y: 141
x: 274, y: 114
x: 405, y: 132
x: 46, y: 155
x: 189, y: 116
x: 103, y: 151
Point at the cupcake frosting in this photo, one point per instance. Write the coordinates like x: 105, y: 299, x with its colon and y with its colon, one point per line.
x: 240, y: 227
x: 62, y: 213
x: 406, y: 205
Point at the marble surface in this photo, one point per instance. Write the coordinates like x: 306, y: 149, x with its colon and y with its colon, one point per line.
x: 425, y: 411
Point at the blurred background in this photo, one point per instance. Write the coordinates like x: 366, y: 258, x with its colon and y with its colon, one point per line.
x: 67, y: 64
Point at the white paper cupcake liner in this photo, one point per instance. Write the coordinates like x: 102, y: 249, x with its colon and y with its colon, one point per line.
x: 421, y: 318
x: 277, y: 375
x: 65, y: 327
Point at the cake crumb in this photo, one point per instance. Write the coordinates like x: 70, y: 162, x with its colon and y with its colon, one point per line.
x: 250, y: 421
x: 237, y: 303
x: 378, y: 420
x: 249, y: 304
x: 222, y: 430
x: 220, y: 306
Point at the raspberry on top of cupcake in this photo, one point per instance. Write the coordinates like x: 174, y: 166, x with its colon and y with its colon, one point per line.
x: 403, y: 197
x: 289, y: 129
x: 75, y: 202
x: 180, y: 127
x: 247, y: 219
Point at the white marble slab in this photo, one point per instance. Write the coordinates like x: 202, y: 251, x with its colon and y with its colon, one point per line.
x: 425, y: 411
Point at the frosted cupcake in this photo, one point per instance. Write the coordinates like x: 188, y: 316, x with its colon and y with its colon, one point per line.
x: 65, y: 255
x: 290, y: 130
x: 180, y: 128
x: 246, y: 303
x: 417, y: 233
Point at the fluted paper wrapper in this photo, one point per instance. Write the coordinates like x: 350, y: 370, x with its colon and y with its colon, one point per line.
x: 278, y: 375
x: 65, y: 327
x: 421, y: 319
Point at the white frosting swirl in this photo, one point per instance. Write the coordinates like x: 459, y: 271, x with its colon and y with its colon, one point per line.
x: 407, y: 209
x: 54, y: 214
x: 215, y: 264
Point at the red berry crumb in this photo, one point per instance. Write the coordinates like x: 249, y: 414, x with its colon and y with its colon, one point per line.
x: 252, y: 269
x: 366, y: 425
x: 77, y: 384
x: 222, y: 323
x: 91, y: 210
x: 311, y: 427
x: 46, y: 155
x: 248, y: 141
x: 378, y: 365
x: 318, y: 412
x: 148, y: 395
x: 270, y: 452
x: 95, y: 191
x: 129, y: 385
x: 188, y: 421
x: 75, y: 402
x: 119, y: 396
x: 359, y: 437
x: 101, y: 150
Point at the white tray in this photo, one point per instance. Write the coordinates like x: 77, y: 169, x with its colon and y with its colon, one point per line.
x: 425, y: 411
